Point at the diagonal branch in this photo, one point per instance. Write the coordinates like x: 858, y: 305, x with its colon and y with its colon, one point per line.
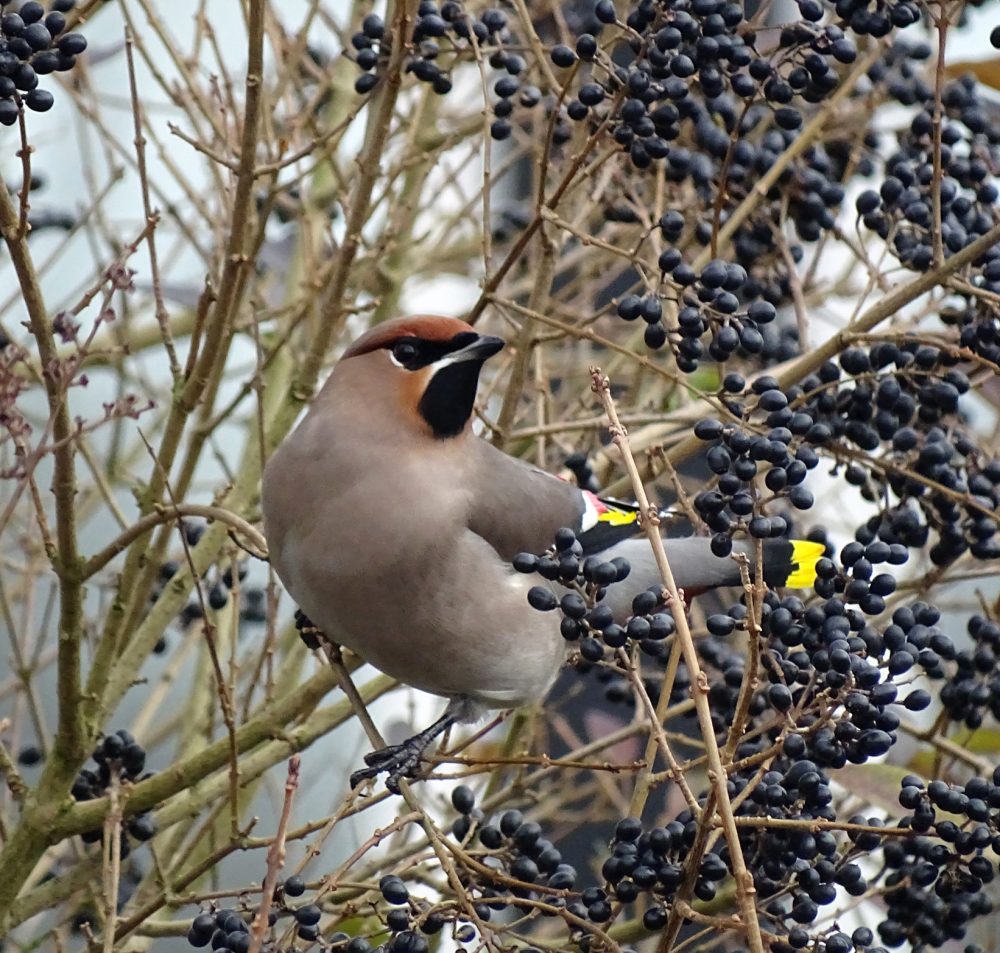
x: 885, y: 308
x: 69, y: 743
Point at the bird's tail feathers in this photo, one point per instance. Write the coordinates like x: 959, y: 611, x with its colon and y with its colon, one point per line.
x: 787, y: 562
x: 791, y: 562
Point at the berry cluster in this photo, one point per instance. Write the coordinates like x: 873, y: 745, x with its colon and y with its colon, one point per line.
x: 588, y: 621
x: 121, y: 757
x: 440, y: 34
x: 977, y: 324
x: 693, y: 95
x: 935, y: 883
x: 826, y: 658
x: 797, y: 869
x: 228, y: 931
x: 33, y: 43
x: 738, y: 456
x: 898, y: 398
x: 832, y: 687
x: 253, y: 601
x: 932, y: 875
x: 974, y: 687
x: 901, y: 211
x: 684, y: 87
x: 687, y: 89
x: 651, y: 863
x: 224, y: 929
x: 831, y: 692
x: 518, y: 851
x: 410, y: 921
x: 591, y: 623
x: 857, y: 580
x: 518, y: 854
x: 712, y: 302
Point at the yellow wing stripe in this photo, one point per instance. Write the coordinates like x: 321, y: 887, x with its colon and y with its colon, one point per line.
x: 618, y: 517
x: 805, y: 555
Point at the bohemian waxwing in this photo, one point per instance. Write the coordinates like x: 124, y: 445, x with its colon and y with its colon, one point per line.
x: 394, y: 527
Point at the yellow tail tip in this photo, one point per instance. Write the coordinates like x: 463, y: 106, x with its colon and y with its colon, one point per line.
x: 805, y: 555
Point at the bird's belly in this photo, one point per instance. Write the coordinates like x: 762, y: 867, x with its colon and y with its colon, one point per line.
x: 486, y: 644
x: 452, y: 665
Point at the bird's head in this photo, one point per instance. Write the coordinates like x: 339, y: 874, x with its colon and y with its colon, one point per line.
x: 429, y: 364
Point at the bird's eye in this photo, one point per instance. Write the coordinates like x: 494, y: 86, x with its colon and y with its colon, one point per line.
x: 404, y: 351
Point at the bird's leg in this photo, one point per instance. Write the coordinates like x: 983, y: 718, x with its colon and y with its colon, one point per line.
x: 402, y: 760
x: 308, y: 632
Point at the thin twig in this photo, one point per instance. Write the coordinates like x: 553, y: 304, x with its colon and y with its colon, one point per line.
x: 160, y: 310
x: 745, y: 891
x: 15, y: 783
x: 112, y: 860
x: 166, y: 514
x: 275, y: 858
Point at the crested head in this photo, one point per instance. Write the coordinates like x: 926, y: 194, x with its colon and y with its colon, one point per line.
x: 431, y: 364
x: 424, y: 327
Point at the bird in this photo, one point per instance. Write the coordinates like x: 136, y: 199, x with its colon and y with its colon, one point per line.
x: 395, y: 528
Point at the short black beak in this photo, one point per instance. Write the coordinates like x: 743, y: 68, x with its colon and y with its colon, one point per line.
x: 482, y: 349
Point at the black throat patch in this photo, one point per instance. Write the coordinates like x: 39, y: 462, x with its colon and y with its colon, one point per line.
x: 449, y: 398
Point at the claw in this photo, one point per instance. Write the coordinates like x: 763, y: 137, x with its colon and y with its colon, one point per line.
x: 399, y: 761
x: 402, y: 760
x: 396, y: 761
x: 307, y: 630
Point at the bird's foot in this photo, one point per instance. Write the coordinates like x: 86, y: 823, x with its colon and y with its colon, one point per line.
x: 308, y: 632
x: 398, y: 761
x: 402, y: 760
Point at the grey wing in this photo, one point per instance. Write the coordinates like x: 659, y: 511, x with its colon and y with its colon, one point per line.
x: 518, y: 507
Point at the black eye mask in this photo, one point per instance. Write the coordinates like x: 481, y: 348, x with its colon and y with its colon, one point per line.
x: 414, y: 353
